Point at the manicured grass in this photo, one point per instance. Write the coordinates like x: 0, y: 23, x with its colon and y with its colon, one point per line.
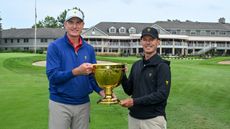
x: 23, y: 92
x: 199, y: 97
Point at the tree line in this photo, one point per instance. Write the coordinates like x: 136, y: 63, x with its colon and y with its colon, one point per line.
x: 51, y: 22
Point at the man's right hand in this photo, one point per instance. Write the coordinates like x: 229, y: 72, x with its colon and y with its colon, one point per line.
x: 83, y: 69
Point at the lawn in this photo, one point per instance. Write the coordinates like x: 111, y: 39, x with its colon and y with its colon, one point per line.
x: 199, y: 97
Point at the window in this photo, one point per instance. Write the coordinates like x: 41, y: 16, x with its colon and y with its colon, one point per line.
x: 177, y: 31
x: 26, y: 48
x: 203, y: 32
x: 134, y: 40
x: 112, y: 30
x: 132, y: 30
x: 173, y: 31
x: 222, y: 33
x: 198, y: 32
x: 122, y: 30
x: 168, y: 30
x: 26, y: 40
x: 188, y: 32
x: 43, y: 40
x: 183, y: 32
x: 193, y: 33
x: 213, y: 33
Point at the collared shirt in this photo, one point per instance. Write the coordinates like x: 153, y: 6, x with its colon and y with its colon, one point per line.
x: 76, y: 47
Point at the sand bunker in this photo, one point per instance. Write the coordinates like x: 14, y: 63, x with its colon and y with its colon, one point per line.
x: 39, y: 63
x: 224, y: 62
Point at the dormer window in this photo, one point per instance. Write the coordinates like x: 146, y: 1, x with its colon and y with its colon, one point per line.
x: 112, y: 30
x: 122, y: 30
x: 132, y: 30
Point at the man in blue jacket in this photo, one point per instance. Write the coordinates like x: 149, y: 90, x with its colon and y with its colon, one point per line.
x: 148, y: 85
x: 69, y: 68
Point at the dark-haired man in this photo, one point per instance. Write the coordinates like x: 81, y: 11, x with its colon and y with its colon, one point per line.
x: 148, y: 85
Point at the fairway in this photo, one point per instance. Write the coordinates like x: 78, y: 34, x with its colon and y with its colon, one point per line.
x: 199, y: 97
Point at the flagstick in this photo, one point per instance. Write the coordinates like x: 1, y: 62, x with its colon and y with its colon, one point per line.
x: 35, y: 29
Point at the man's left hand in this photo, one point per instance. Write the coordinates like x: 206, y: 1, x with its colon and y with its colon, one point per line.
x: 127, y: 102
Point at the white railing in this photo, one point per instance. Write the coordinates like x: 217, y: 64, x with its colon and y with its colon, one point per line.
x: 206, y: 49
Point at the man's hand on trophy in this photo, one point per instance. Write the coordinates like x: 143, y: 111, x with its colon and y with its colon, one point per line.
x: 114, y: 96
x: 127, y: 102
x: 83, y: 69
x: 125, y: 69
x: 102, y: 93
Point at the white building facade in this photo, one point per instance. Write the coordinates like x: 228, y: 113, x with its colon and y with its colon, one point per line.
x: 177, y: 38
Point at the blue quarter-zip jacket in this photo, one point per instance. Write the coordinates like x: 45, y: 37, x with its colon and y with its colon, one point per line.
x: 64, y: 87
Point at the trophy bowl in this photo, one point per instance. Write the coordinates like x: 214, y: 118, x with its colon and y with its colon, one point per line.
x: 108, y: 76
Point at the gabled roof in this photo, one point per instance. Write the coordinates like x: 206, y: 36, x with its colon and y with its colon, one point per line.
x: 29, y: 33
x: 93, y: 31
x: 104, y: 26
x: 193, y: 25
x: 102, y: 29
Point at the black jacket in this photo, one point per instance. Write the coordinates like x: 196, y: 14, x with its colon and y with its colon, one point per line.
x: 149, y: 86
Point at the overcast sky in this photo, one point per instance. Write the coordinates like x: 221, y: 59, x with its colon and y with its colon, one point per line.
x: 20, y: 13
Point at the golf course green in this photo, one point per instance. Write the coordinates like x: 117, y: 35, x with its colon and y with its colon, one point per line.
x: 199, y: 97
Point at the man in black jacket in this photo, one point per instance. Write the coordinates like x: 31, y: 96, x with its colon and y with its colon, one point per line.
x: 148, y: 85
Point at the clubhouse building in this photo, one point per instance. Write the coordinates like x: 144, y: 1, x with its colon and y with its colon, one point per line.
x: 177, y: 38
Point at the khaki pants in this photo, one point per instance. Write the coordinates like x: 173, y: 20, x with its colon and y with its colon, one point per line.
x: 158, y: 122
x: 63, y: 116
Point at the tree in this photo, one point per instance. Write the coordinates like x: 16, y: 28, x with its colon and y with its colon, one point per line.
x: 61, y: 18
x: 48, y: 22
x: 39, y: 25
x: 51, y: 22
